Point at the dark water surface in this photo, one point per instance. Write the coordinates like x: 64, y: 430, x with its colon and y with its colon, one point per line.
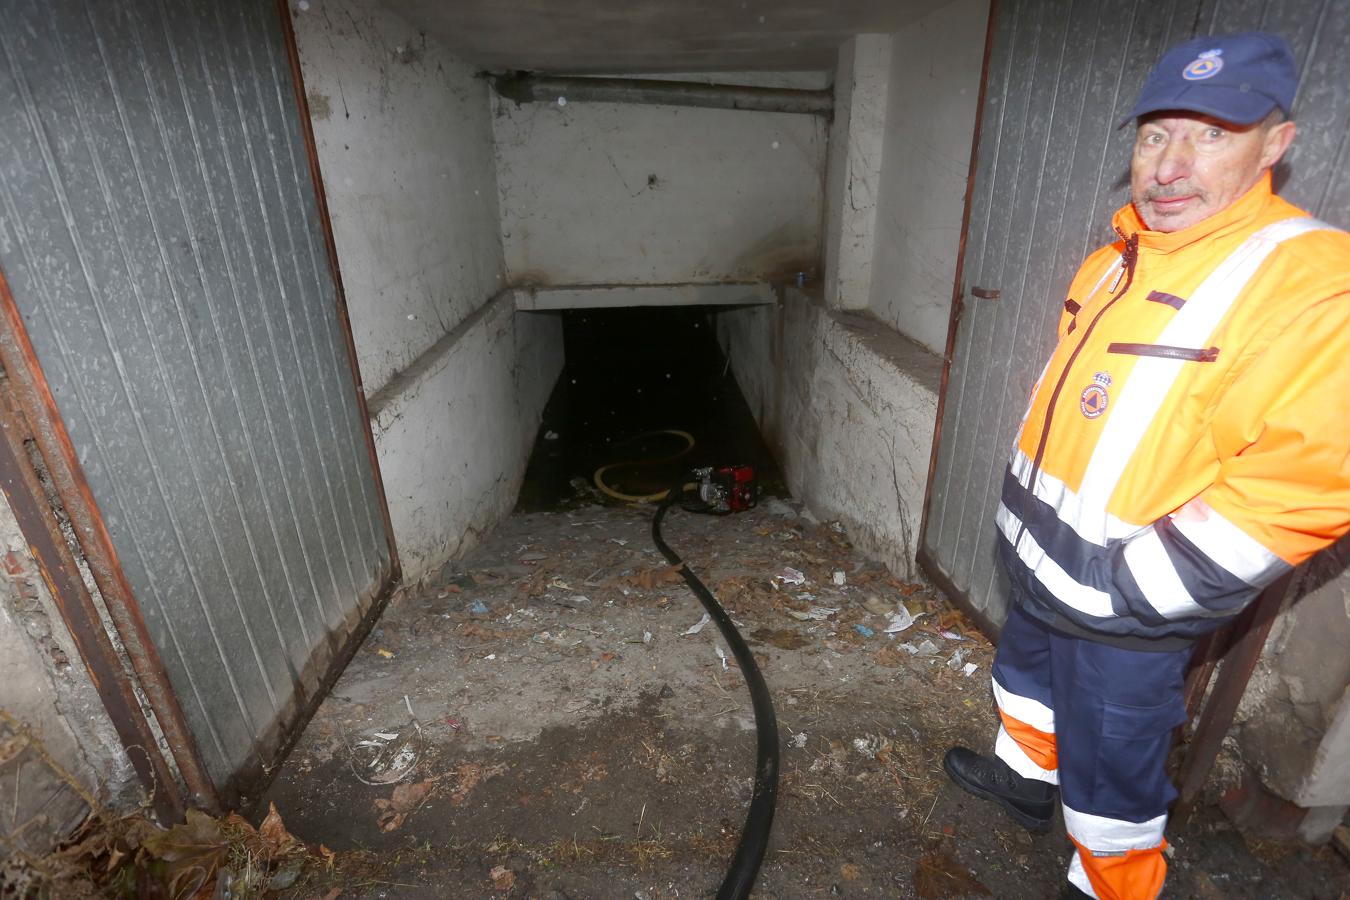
x: 629, y: 375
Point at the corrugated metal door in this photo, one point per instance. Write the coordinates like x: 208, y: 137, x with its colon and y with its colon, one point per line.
x: 160, y: 234
x: 1051, y: 168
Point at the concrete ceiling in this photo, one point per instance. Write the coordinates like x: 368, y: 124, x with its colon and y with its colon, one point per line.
x: 612, y: 36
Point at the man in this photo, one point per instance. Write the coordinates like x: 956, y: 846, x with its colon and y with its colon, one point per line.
x: 1186, y: 444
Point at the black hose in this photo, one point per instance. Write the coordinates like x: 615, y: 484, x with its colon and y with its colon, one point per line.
x: 745, y: 863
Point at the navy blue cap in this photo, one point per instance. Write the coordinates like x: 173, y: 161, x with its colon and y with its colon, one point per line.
x: 1237, y: 78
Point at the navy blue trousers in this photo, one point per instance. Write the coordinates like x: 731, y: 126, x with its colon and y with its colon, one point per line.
x: 1098, y: 721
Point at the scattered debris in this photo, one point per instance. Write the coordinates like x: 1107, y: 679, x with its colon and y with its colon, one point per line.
x: 697, y: 626
x: 873, y: 746
x: 899, y: 621
x: 814, y: 614
x: 969, y: 669
x: 958, y: 659
x: 404, y: 801
x: 782, y: 638
x: 380, y: 651
x: 799, y: 740
x: 478, y: 608
x: 503, y: 879
x: 878, y: 607
x: 721, y: 654
x: 791, y: 576
x: 951, y: 635
x: 840, y: 579
x: 927, y: 648
x: 864, y: 630
x: 387, y: 757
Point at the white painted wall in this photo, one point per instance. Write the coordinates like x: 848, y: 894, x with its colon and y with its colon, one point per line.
x: 934, y: 87
x: 456, y: 379
x: 455, y: 439
x: 601, y: 193
x: 861, y: 83
x: 848, y: 407
x: 405, y: 144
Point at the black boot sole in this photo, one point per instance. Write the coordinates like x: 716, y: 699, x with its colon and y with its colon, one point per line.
x: 1031, y: 823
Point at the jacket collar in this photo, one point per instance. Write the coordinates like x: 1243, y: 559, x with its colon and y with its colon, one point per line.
x: 1240, y: 214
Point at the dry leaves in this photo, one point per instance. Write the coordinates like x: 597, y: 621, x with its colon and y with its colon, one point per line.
x: 782, y: 638
x: 651, y: 579
x: 503, y: 879
x: 938, y: 876
x: 274, y: 835
x: 891, y: 656
x: 482, y: 632
x: 402, y: 803
x: 191, y: 853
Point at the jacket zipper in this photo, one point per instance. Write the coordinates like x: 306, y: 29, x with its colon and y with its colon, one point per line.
x: 1128, y: 259
x: 1165, y: 351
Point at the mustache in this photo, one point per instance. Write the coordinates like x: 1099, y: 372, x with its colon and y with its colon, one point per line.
x: 1171, y: 192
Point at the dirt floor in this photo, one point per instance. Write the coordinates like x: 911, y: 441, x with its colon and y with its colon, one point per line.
x: 546, y: 720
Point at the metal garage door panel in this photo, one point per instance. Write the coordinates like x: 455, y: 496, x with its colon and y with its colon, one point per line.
x: 1051, y: 167
x: 161, y: 237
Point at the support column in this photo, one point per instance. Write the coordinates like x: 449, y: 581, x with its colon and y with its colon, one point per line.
x: 853, y: 173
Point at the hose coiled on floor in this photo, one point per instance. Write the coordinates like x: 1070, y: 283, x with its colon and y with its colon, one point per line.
x: 599, y: 476
x: 754, y: 841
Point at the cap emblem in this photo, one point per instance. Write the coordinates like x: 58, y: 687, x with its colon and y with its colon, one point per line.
x: 1206, y: 65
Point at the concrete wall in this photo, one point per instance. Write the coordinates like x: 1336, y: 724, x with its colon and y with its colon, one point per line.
x: 44, y: 685
x: 934, y: 84
x: 848, y: 407
x: 455, y: 380
x: 405, y: 144
x: 600, y: 193
x: 454, y: 432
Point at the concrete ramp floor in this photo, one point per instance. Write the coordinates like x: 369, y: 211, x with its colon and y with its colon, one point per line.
x: 541, y: 722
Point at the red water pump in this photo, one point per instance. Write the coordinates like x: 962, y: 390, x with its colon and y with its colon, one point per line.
x: 727, y: 489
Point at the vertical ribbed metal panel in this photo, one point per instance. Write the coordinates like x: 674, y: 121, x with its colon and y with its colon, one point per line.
x: 160, y: 233
x: 1051, y: 169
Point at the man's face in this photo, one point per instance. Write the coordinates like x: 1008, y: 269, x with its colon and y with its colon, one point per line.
x: 1187, y: 166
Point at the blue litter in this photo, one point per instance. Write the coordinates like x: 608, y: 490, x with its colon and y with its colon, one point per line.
x: 864, y: 631
x: 478, y: 608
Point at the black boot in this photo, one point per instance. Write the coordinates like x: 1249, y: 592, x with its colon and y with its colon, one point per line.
x: 1030, y: 802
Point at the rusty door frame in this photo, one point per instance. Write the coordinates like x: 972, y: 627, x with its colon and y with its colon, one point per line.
x: 29, y: 411
x: 925, y: 559
x: 330, y: 245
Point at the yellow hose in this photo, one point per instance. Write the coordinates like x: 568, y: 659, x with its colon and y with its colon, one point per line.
x: 599, y: 480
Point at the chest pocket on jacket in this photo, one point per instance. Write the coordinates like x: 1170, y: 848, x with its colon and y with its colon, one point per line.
x: 1166, y: 351
x: 1072, y: 307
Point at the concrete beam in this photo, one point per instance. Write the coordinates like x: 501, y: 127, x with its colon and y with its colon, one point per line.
x: 530, y: 88
x: 610, y: 296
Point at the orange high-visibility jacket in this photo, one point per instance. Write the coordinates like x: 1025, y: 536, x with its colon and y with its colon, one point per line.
x: 1189, y: 439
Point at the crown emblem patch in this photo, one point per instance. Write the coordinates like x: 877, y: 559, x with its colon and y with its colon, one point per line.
x: 1206, y: 65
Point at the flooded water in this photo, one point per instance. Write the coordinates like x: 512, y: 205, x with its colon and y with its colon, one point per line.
x: 635, y: 381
